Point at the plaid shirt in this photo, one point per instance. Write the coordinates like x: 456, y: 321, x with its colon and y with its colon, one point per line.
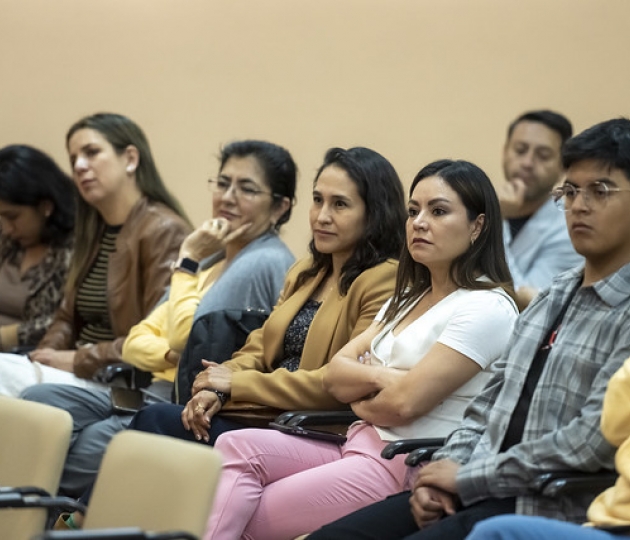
x: 562, y: 427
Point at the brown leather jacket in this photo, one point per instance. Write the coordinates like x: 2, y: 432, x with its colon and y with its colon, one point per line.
x: 137, y: 275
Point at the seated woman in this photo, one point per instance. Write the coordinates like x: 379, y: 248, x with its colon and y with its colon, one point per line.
x: 357, y: 218
x: 130, y: 232
x: 244, y: 267
x: 410, y: 374
x: 36, y: 227
x: 608, y: 514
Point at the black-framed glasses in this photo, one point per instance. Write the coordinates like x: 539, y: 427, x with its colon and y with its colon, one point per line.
x: 595, y: 195
x: 241, y: 191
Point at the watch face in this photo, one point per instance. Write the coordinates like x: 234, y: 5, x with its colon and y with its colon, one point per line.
x: 189, y: 265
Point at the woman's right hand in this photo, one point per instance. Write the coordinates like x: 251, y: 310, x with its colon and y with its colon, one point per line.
x: 211, y: 237
x: 63, y: 360
x: 213, y: 377
x: 198, y: 413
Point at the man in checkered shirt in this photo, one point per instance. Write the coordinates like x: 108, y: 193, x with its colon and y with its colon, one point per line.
x: 541, y: 410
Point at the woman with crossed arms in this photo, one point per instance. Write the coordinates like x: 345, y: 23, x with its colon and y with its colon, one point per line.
x: 410, y: 374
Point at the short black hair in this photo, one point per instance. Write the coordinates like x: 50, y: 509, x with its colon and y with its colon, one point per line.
x: 276, y: 162
x: 553, y: 120
x: 28, y: 177
x: 607, y: 143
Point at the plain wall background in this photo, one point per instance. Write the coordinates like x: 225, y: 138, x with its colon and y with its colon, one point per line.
x: 416, y: 80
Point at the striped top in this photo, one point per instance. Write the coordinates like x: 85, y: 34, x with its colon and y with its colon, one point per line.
x: 91, y: 303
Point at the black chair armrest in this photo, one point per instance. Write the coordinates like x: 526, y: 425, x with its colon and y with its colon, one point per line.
x: 285, y: 417
x: 107, y: 374
x: 334, y: 422
x: 126, y: 533
x: 19, y: 500
x: 123, y: 374
x: 404, y: 446
x: 24, y: 490
x: 421, y: 454
x: 316, y: 418
x: 559, y: 483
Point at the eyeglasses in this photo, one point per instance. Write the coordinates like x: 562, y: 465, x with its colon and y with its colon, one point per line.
x: 595, y: 195
x: 241, y: 191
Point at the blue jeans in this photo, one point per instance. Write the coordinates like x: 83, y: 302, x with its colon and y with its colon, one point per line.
x: 534, y: 528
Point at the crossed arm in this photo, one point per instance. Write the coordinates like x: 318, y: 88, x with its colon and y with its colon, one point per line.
x: 388, y: 396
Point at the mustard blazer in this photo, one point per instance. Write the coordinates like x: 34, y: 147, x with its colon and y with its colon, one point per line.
x: 338, y: 319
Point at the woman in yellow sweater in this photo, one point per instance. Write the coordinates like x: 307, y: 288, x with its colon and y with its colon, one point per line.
x: 251, y: 198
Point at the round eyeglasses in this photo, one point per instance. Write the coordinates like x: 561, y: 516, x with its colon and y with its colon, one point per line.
x: 241, y: 191
x: 595, y: 195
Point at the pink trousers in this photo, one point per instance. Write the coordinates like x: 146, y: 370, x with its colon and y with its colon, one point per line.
x: 276, y: 486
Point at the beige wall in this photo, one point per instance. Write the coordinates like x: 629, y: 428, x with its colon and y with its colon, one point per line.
x: 414, y: 79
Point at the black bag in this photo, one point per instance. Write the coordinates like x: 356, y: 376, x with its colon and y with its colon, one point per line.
x: 214, y: 336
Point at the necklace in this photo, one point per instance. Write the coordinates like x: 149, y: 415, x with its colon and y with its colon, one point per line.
x: 325, y: 288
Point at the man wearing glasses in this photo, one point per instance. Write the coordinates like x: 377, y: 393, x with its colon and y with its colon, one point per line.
x: 541, y: 410
x: 537, y: 244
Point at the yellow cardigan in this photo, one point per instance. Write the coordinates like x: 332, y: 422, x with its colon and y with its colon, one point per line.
x: 612, y: 507
x: 166, y: 327
x: 256, y: 384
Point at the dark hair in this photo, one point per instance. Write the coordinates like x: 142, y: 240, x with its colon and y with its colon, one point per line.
x: 120, y: 132
x: 381, y: 190
x: 553, y: 120
x: 486, y: 256
x: 28, y: 177
x: 276, y: 162
x: 607, y: 143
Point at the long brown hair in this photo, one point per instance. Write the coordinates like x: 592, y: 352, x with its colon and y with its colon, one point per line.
x: 120, y: 132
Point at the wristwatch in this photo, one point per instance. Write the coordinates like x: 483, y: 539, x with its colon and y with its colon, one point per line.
x: 223, y: 396
x: 186, y: 265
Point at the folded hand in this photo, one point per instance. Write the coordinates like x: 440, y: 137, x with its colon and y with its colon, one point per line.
x: 198, y: 413
x: 214, y: 377
x: 63, y: 360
